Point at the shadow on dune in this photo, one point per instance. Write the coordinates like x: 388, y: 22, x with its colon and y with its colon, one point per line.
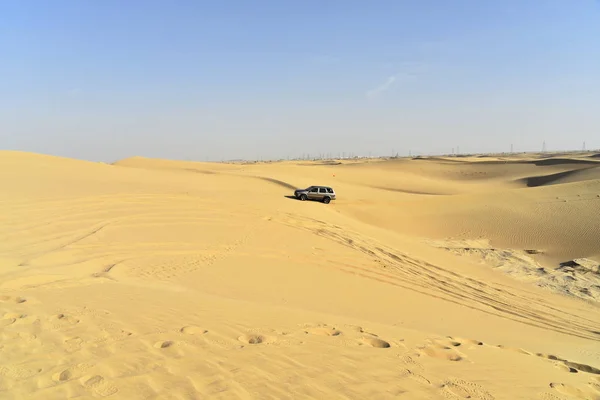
x: 317, y: 163
x: 457, y: 160
x: 201, y: 171
x: 569, y: 263
x: 408, y: 191
x: 440, y: 159
x: 277, y: 182
x: 561, y: 161
x: 535, y: 181
x: 307, y: 200
x: 495, y: 162
x: 540, y: 163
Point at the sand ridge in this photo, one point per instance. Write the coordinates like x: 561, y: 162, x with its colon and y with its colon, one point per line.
x: 173, y: 279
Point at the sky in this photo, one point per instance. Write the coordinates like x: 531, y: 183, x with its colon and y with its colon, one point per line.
x: 269, y: 79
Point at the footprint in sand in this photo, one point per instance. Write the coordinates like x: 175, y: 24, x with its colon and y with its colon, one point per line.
x: 549, y: 396
x: 589, y: 393
x: 407, y: 373
x: 375, y: 342
x: 461, y: 389
x: 71, y: 373
x: 164, y: 344
x: 548, y: 356
x: 409, y: 360
x: 14, y: 316
x: 571, y: 365
x: 456, y: 342
x: 323, y: 331
x: 563, y: 367
x: 62, y: 376
x: 514, y: 350
x: 18, y: 372
x: 10, y: 299
x: 98, y: 386
x: 595, y: 386
x: 355, y: 328
x: 582, y: 367
x: 61, y: 321
x: 256, y: 339
x: 7, y: 321
x: 73, y: 344
x: 442, y: 352
x: 193, y: 330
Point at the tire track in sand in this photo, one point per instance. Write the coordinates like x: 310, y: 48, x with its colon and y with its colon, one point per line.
x: 404, y: 271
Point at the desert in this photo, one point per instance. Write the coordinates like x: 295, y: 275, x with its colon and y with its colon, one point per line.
x: 426, y: 278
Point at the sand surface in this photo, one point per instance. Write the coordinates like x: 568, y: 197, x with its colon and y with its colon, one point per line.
x: 440, y: 278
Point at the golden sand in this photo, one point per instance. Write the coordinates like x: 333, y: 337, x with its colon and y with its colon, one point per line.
x: 440, y: 278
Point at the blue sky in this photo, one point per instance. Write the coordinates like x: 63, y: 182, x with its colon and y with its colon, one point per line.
x: 104, y: 80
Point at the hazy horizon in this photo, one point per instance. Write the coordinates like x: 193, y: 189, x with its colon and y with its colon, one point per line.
x: 110, y: 80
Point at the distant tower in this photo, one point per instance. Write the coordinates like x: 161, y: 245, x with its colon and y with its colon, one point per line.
x: 544, y: 147
x: 511, y: 148
x: 583, y: 146
x: 457, y: 150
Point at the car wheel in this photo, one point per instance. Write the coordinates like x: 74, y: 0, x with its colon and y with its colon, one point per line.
x: 303, y: 197
x: 326, y: 200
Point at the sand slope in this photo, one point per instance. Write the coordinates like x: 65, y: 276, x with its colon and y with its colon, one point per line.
x: 179, y: 280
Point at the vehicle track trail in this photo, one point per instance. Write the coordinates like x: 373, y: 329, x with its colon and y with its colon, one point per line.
x: 400, y: 269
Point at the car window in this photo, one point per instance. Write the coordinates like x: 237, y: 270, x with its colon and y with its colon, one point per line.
x: 322, y: 190
x: 330, y: 190
x: 313, y: 190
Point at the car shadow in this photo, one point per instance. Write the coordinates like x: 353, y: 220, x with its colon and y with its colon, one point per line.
x: 292, y: 197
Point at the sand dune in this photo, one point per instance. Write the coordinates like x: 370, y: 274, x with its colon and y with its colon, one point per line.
x: 471, y: 277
